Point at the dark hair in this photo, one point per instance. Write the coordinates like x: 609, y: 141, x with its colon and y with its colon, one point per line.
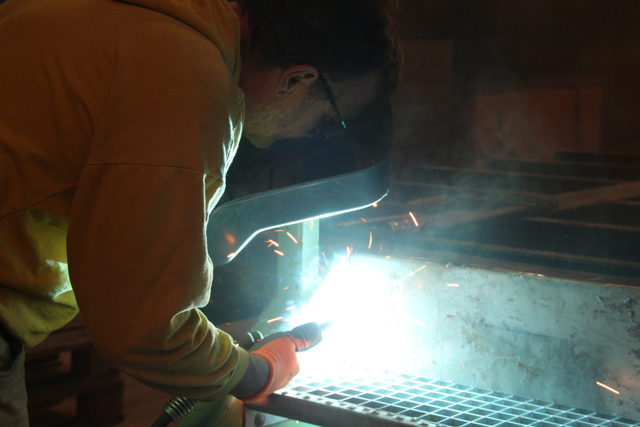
x: 344, y: 39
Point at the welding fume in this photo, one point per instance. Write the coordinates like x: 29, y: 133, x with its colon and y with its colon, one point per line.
x: 119, y: 125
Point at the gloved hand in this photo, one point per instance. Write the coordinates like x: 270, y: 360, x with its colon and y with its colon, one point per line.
x: 273, y: 361
x: 280, y: 355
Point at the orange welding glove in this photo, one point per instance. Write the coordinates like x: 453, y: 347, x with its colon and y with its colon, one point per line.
x: 280, y: 354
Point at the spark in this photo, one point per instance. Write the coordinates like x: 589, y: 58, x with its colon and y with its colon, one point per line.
x: 278, y: 231
x: 272, y: 243
x: 311, y: 224
x: 231, y: 255
x: 363, y: 220
x: 534, y: 274
x: 413, y: 272
x: 370, y: 239
x: 292, y: 238
x: 462, y: 365
x: 388, y: 257
x: 275, y: 319
x: 611, y: 389
x: 278, y: 252
x: 413, y: 218
x: 230, y: 238
x: 286, y: 288
x: 291, y: 307
x: 453, y: 285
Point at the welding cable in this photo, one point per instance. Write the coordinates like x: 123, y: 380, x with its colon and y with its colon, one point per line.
x: 174, y: 410
x: 279, y: 350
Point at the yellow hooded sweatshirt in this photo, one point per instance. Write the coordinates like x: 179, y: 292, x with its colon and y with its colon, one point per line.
x: 118, y: 121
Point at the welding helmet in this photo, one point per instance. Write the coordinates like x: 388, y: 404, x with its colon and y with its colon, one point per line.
x: 335, y: 171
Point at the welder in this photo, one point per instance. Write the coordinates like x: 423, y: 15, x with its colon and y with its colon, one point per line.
x: 118, y: 122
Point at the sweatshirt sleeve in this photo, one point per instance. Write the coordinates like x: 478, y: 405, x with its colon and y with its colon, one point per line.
x: 136, y: 243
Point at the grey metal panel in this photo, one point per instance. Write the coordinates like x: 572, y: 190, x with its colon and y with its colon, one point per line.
x: 232, y: 225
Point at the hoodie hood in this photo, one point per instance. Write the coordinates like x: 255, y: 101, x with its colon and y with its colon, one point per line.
x: 216, y: 20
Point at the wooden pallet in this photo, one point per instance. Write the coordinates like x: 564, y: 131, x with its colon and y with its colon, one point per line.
x: 66, y: 366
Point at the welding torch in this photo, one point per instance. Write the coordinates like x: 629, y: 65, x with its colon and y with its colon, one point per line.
x: 308, y: 335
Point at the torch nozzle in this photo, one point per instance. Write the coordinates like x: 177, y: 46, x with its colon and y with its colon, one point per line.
x: 307, y: 336
x: 310, y: 333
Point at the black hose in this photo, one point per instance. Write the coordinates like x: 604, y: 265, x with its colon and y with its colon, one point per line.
x: 178, y: 407
x: 163, y: 420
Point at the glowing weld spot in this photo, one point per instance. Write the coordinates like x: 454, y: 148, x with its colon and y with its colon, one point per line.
x: 231, y: 255
x: 611, y: 389
x: 356, y: 293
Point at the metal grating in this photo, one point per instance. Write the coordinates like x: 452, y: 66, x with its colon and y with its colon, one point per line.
x: 423, y: 402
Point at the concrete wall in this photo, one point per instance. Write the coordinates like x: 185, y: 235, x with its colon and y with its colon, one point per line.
x: 524, y: 334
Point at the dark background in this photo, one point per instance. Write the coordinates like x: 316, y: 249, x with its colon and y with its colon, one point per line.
x: 516, y: 78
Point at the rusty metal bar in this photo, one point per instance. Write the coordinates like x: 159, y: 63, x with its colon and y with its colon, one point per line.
x: 297, y: 406
x: 511, y: 252
x: 465, y: 177
x: 601, y: 194
x: 446, y: 192
x: 614, y: 158
x: 585, y: 224
x: 567, y: 168
x: 559, y: 202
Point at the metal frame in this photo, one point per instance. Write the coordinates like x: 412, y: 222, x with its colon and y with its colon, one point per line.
x: 403, y: 400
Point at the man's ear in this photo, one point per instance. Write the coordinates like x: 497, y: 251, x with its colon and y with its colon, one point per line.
x: 297, y: 77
